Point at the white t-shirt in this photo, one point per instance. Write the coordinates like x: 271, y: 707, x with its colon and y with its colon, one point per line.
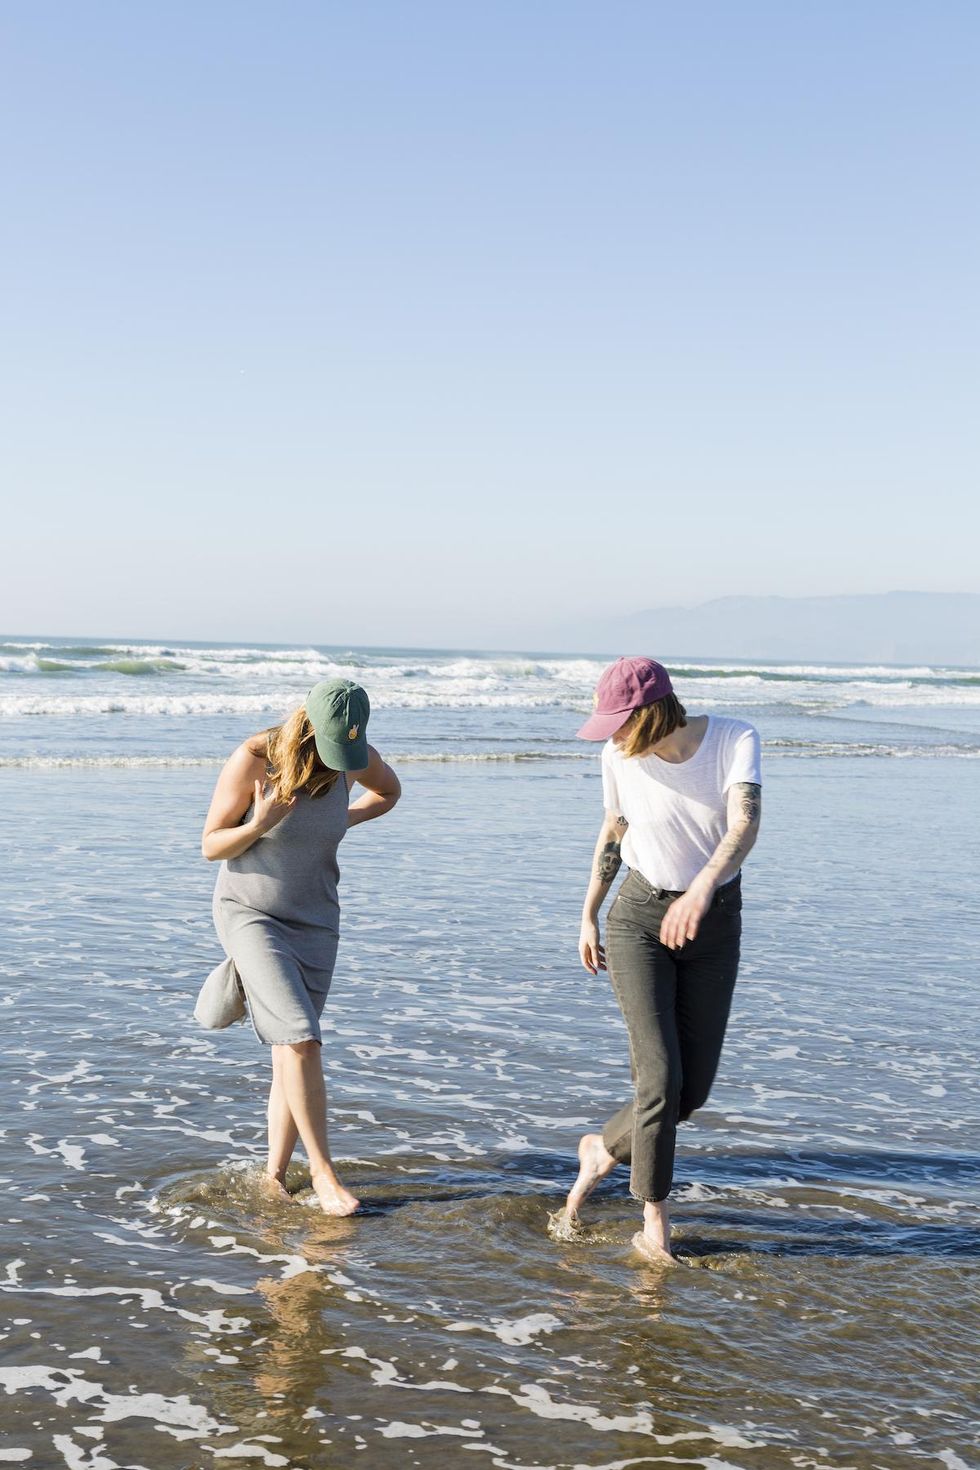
x: 677, y: 813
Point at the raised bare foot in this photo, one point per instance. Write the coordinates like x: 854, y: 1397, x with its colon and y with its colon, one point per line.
x: 653, y: 1250
x: 595, y: 1162
x: 334, y: 1198
x: 273, y: 1187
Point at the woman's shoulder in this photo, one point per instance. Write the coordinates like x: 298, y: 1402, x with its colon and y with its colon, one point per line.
x: 257, y: 745
x: 610, y: 755
x: 250, y: 755
x: 729, y: 737
x: 727, y: 727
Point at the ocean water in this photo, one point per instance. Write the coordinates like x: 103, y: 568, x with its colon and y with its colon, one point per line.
x: 161, y: 1314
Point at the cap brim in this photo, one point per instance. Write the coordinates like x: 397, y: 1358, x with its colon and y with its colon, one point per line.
x: 351, y: 756
x: 602, y: 726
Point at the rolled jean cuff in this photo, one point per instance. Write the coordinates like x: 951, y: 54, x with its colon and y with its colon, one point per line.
x: 619, y: 1146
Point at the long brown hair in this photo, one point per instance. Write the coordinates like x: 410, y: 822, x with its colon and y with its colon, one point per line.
x: 652, y: 723
x: 292, y: 763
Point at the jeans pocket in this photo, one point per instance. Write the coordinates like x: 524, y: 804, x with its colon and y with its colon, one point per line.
x: 634, y: 891
x: 729, y: 903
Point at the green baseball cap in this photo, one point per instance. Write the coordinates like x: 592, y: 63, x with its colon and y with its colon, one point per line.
x: 338, y: 710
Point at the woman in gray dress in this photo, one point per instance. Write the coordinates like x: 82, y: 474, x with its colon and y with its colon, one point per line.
x: 279, y: 812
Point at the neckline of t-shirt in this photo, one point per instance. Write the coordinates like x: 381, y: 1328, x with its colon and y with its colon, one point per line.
x: 671, y: 765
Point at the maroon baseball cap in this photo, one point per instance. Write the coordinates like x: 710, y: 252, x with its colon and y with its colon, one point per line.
x: 624, y: 686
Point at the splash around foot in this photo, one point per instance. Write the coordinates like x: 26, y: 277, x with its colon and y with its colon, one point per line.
x: 332, y: 1197
x: 652, y: 1252
x: 563, y: 1226
x: 274, y: 1188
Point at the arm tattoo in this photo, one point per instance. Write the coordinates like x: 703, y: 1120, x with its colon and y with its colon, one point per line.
x: 608, y: 863
x: 731, y: 849
x: 738, y: 840
x: 749, y: 797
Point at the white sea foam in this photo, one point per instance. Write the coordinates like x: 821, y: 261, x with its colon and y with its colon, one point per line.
x: 398, y: 1429
x: 536, y: 1398
x: 246, y: 1451
x: 386, y: 1374
x: 952, y: 1460
x: 788, y: 749
x: 148, y: 1297
x: 518, y: 1332
x: 78, y: 1457
x: 86, y: 706
x: 184, y: 681
x: 233, y: 658
x: 69, y: 1385
x: 461, y: 695
x: 151, y: 762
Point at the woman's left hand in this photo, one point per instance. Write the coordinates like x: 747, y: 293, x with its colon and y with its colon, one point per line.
x: 682, y: 920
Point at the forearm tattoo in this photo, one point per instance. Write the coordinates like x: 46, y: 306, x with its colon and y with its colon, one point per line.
x: 731, y: 849
x: 749, y: 797
x: 738, y: 841
x: 608, y: 863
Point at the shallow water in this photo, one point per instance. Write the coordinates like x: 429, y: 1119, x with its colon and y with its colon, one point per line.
x: 163, y: 1314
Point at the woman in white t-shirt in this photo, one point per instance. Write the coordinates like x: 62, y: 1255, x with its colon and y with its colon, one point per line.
x: 682, y: 800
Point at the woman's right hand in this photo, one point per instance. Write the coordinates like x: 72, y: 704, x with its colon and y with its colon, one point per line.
x: 267, y: 812
x: 591, y: 952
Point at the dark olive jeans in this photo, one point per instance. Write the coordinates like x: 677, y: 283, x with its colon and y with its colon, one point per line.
x: 675, y: 1004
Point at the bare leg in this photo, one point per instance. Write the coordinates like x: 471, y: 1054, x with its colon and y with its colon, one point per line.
x: 283, y: 1132
x: 306, y: 1098
x: 595, y: 1162
x: 653, y: 1241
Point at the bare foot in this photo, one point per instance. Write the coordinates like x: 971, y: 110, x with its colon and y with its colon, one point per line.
x: 653, y: 1251
x: 273, y: 1187
x: 595, y: 1162
x: 334, y: 1198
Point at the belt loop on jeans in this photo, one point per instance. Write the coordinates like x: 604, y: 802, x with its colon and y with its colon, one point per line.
x: 656, y: 892
x: 732, y: 886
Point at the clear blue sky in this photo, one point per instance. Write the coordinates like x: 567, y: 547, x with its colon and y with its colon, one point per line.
x: 446, y: 322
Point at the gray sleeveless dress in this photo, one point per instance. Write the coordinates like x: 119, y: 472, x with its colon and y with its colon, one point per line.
x: 278, y: 916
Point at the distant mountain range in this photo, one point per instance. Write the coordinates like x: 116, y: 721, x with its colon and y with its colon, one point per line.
x: 889, y: 627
